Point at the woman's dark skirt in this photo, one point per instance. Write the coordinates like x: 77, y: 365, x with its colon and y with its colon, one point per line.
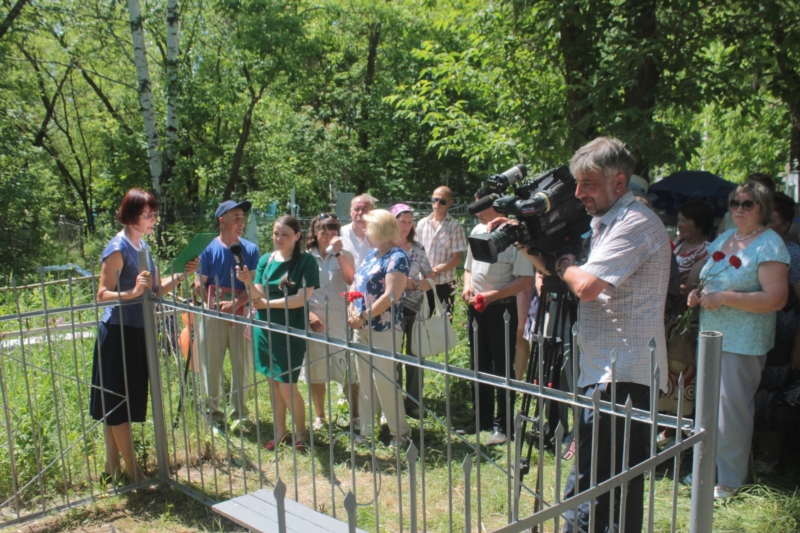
x: 108, y: 395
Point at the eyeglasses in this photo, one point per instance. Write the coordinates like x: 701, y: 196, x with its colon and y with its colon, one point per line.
x: 435, y: 200
x: 152, y: 215
x: 747, y: 205
x: 323, y: 216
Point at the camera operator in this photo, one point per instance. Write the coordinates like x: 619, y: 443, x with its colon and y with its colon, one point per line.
x: 622, y: 289
x: 497, y: 284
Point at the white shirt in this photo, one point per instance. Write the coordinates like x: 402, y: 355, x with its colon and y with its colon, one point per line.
x: 354, y: 245
x: 331, y: 283
x: 493, y: 276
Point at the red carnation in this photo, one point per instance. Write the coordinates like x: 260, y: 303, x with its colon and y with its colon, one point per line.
x: 480, y: 303
x: 352, y: 296
x: 717, y: 256
x: 735, y: 261
x: 672, y: 245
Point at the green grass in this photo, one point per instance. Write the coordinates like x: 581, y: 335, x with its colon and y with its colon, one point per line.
x: 211, y: 465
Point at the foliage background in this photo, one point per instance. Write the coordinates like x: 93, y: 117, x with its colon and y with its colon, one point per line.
x: 392, y: 98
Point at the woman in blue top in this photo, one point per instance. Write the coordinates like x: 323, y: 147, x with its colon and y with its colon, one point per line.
x: 278, y: 356
x: 119, y: 365
x: 384, y: 272
x: 741, y: 303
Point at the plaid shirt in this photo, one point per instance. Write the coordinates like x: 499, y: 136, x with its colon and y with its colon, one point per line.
x: 630, y: 251
x: 440, y: 244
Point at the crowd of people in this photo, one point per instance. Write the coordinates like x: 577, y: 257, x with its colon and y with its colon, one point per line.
x: 371, y: 277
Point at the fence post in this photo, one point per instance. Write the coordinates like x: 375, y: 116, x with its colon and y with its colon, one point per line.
x: 706, y: 418
x: 154, y: 368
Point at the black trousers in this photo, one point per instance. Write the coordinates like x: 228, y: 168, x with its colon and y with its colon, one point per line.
x: 413, y: 382
x: 639, y: 451
x: 492, y: 360
x: 445, y: 294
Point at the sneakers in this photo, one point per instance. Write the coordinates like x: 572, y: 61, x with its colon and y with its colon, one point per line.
x: 496, y: 439
x: 319, y: 424
x: 722, y: 492
x: 665, y: 440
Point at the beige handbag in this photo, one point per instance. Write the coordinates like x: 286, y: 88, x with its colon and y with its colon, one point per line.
x: 428, y: 334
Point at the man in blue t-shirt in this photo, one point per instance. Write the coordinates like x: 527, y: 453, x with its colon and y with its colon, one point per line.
x: 217, y: 266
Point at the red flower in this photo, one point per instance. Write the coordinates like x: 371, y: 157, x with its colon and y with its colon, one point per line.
x: 480, y: 303
x: 352, y: 296
x: 735, y: 261
x: 672, y: 245
x: 717, y: 256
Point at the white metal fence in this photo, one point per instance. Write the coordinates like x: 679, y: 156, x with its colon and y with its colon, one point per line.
x: 52, y: 452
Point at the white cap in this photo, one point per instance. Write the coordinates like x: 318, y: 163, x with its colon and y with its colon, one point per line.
x: 638, y: 185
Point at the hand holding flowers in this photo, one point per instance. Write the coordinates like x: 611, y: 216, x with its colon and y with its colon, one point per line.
x: 711, y: 301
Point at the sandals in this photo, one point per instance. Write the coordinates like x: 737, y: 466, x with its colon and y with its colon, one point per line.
x: 299, y: 444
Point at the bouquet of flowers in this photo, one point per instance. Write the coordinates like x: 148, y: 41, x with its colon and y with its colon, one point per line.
x: 480, y: 303
x: 684, y: 321
x: 352, y: 296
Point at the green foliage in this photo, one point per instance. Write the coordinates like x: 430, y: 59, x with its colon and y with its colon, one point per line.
x: 391, y: 98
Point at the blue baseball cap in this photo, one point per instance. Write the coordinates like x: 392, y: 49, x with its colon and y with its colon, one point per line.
x: 227, y: 205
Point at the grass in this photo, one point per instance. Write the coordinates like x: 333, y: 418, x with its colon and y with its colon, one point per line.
x: 210, y: 465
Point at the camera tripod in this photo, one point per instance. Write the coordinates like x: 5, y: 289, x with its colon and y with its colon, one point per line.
x: 548, y: 348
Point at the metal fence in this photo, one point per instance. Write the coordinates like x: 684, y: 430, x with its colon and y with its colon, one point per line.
x: 52, y: 452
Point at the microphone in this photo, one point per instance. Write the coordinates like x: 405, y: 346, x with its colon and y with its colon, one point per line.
x: 236, y: 250
x: 482, y: 204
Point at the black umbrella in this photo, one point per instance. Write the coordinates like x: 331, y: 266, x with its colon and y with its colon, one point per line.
x: 690, y: 184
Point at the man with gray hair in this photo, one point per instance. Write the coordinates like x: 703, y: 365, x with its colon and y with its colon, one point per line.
x: 622, y: 287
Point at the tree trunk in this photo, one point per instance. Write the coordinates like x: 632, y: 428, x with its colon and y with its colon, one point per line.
x: 146, y: 96
x: 173, y: 89
x: 577, y: 51
x: 12, y: 15
x: 247, y: 121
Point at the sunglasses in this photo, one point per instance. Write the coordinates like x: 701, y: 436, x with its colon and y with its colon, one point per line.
x: 435, y: 200
x: 324, y: 216
x: 747, y: 205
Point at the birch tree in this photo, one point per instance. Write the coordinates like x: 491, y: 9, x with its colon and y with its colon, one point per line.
x: 146, y: 95
x: 173, y: 51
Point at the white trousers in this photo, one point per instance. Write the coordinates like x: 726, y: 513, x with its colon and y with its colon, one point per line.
x: 380, y: 372
x: 216, y: 337
x: 739, y: 381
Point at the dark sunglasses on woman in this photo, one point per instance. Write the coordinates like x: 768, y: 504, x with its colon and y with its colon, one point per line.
x: 747, y: 205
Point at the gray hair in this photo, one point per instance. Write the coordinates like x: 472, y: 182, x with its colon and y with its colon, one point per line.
x: 606, y: 155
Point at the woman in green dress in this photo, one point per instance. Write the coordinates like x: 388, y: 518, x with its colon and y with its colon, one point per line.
x: 278, y: 356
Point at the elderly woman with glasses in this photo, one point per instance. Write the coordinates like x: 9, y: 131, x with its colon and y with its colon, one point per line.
x: 741, y: 288
x: 381, y: 278
x: 336, y: 272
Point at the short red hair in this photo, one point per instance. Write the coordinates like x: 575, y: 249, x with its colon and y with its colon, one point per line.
x: 133, y: 204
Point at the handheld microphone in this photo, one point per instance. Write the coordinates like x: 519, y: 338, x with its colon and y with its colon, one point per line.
x: 482, y: 204
x: 236, y: 250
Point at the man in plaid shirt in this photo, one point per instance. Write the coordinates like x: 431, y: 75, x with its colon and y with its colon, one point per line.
x: 622, y: 288
x: 445, y: 243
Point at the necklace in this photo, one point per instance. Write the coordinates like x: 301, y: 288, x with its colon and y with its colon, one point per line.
x: 736, y: 235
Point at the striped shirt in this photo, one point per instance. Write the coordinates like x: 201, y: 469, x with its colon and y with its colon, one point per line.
x: 631, y: 251
x: 440, y: 244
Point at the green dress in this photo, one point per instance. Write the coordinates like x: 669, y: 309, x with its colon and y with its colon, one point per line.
x: 269, y: 274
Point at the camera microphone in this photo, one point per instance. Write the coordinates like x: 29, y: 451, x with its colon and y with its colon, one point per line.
x: 482, y: 204
x: 236, y: 250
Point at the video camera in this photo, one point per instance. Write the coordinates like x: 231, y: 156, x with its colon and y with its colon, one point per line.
x: 551, y: 219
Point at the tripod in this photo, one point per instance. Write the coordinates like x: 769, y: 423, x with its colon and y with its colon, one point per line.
x: 548, y: 347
